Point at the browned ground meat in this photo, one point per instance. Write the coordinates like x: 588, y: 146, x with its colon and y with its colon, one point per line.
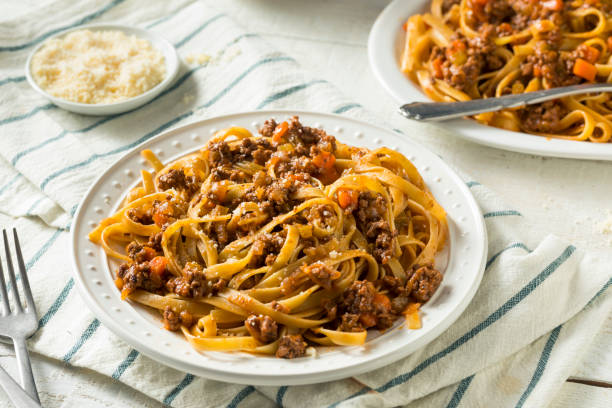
x: 266, y: 248
x: 167, y: 211
x: 258, y: 151
x: 519, y: 14
x: 361, y: 299
x: 492, y: 12
x: 139, y: 276
x: 460, y: 74
x: 192, y: 283
x: 291, y: 346
x: 401, y: 296
x: 423, y: 283
x: 331, y: 308
x: 145, y: 218
x: 139, y: 253
x: 262, y: 328
x: 321, y: 274
x: 268, y: 128
x: 218, y: 286
x: 303, y: 136
x: 171, y: 320
x: 155, y: 241
x: 279, y: 307
x: 370, y: 218
x: 543, y: 117
x: 525, y: 12
x: 349, y: 322
x: 550, y: 65
x: 177, y: 180
x: 220, y: 153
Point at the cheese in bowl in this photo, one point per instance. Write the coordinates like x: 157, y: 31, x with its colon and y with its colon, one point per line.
x: 97, y: 66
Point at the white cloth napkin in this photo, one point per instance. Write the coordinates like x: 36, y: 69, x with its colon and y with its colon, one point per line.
x: 539, y: 305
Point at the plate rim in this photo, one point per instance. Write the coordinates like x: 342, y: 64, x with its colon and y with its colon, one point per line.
x: 385, y: 66
x: 270, y: 378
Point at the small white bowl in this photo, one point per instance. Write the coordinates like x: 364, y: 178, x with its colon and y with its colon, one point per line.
x: 162, y: 45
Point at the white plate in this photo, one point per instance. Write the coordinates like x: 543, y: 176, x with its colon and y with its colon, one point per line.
x: 385, y: 44
x: 465, y: 259
x: 162, y: 45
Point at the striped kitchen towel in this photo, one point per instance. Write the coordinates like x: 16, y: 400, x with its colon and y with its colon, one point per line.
x: 539, y: 305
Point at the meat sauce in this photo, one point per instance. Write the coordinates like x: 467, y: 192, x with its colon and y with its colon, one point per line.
x: 363, y: 305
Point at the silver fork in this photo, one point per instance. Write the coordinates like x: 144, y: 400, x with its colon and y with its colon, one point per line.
x: 430, y: 111
x: 22, y: 321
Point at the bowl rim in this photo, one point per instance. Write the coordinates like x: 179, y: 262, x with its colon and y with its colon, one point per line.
x: 171, y: 61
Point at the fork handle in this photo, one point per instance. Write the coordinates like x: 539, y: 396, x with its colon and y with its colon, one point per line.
x: 431, y: 111
x: 15, y: 393
x: 25, y: 368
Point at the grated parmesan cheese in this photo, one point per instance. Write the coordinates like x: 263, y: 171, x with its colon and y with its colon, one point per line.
x: 605, y: 226
x: 96, y: 67
x: 197, y: 58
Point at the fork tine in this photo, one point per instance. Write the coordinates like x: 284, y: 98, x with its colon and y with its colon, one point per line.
x: 6, y: 309
x: 25, y: 281
x: 9, y: 264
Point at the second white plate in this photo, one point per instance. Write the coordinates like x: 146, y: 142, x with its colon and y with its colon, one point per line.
x: 384, y: 48
x: 464, y: 256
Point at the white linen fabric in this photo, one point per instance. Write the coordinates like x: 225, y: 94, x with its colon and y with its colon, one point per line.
x: 537, y: 309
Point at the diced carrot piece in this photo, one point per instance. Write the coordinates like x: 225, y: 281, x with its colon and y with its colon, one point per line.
x: 328, y: 176
x: 298, y: 177
x: 280, y: 131
x: 458, y: 45
x: 347, y: 197
x: 554, y: 5
x: 367, y: 320
x: 382, y: 300
x: 150, y: 253
x: 160, y: 219
x: 158, y: 265
x: 610, y: 44
x: 125, y: 293
x: 585, y: 69
x: 437, y: 68
x: 324, y: 160
x: 505, y: 28
x: 412, y: 316
x: 592, y: 54
x: 219, y: 190
x: 537, y: 71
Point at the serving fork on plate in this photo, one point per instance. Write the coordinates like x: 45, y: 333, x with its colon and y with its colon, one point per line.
x: 19, y: 322
x: 438, y: 111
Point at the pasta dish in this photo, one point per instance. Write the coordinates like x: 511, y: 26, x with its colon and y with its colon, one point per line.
x: 469, y: 49
x: 275, y: 242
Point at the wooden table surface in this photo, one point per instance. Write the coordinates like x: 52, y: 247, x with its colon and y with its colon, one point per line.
x: 329, y: 39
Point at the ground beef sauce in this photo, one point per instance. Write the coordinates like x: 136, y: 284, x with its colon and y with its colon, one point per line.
x: 362, y: 306
x: 461, y: 63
